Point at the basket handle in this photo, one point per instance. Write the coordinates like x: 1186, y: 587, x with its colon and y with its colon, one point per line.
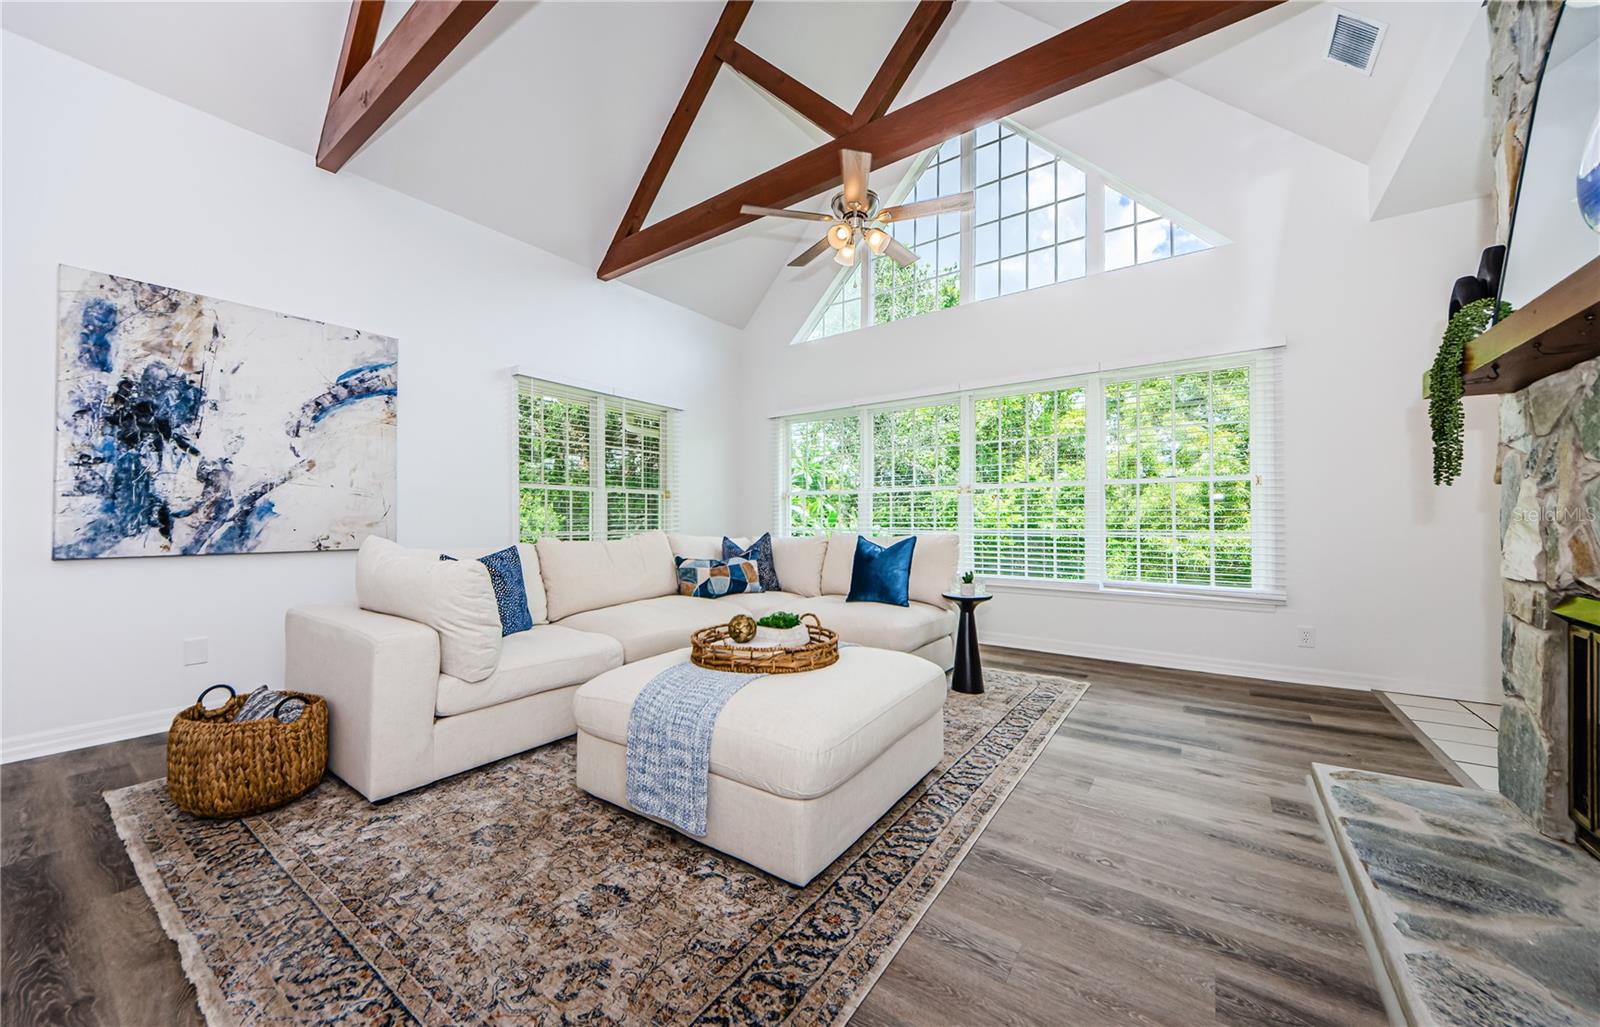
x: 814, y: 618
x: 201, y: 702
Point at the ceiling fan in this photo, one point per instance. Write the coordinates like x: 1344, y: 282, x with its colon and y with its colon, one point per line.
x: 856, y: 220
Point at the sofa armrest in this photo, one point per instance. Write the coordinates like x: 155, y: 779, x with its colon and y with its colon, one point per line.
x: 380, y: 676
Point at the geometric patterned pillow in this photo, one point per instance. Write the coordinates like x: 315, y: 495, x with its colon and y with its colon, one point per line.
x: 711, y: 579
x: 761, y: 552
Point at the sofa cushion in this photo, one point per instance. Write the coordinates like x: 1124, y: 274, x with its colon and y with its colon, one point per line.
x: 532, y: 584
x: 510, y: 594
x: 581, y: 576
x: 454, y: 597
x: 549, y: 656
x: 798, y: 563
x: 933, y: 567
x: 699, y: 547
x: 795, y: 735
x: 759, y: 604
x: 903, y: 628
x: 646, y: 627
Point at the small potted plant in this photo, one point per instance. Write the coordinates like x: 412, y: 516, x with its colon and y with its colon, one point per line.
x: 781, y: 630
x: 967, y: 587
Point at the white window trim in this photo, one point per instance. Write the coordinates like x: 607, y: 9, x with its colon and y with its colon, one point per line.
x: 597, y: 489
x: 1096, y: 181
x: 1270, y: 588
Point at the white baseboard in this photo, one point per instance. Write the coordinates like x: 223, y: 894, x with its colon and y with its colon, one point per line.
x: 99, y: 732
x: 1233, y: 668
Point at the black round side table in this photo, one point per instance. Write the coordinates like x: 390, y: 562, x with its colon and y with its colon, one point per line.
x: 968, y: 676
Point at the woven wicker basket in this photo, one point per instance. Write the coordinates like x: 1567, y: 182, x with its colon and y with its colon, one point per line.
x: 710, y: 648
x: 218, y: 768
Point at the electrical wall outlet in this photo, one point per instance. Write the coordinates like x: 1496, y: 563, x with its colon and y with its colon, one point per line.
x: 1306, y: 638
x: 196, y: 651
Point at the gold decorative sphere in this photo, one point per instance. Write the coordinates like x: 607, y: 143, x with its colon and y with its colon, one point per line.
x: 742, y: 628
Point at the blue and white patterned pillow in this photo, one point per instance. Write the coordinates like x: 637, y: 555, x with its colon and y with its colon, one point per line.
x: 510, y: 590
x: 761, y: 552
x: 711, y: 579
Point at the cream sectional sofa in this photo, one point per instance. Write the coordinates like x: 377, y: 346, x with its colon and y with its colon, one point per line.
x: 420, y: 684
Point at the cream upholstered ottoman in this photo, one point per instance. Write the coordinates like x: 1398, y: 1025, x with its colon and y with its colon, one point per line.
x: 801, y: 764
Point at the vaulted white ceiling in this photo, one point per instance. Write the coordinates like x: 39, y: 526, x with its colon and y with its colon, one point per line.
x: 542, y: 121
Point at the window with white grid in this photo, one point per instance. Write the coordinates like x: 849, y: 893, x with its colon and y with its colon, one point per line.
x: 1029, y: 484
x: 916, y: 469
x: 1178, y: 493
x: 822, y: 483
x: 843, y: 311
x: 553, y: 452
x: 635, y: 474
x: 1162, y: 478
x: 1029, y: 225
x: 934, y: 281
x: 1041, y: 217
x: 1136, y: 234
x: 592, y: 465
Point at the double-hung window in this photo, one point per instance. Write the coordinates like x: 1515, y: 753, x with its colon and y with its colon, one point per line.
x: 591, y: 465
x: 1162, y: 478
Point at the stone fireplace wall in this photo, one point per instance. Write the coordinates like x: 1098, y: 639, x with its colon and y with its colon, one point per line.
x: 1549, y: 474
x: 1550, y: 549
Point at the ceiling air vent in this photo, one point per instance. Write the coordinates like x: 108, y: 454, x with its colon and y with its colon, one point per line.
x: 1354, y: 41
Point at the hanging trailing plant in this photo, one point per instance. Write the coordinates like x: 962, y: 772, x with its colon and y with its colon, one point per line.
x: 1445, y: 414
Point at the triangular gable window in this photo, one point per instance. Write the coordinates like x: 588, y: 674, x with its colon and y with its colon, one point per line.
x: 1042, y: 216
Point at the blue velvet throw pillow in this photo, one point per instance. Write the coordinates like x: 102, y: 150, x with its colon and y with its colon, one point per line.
x: 761, y: 552
x: 881, y: 574
x: 510, y: 591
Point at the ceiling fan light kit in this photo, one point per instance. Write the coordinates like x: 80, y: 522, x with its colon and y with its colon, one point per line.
x: 857, y: 219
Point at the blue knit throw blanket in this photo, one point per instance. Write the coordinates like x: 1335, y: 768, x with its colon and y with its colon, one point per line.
x: 669, y: 742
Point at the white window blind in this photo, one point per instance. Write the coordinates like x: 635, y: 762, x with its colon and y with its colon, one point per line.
x: 1163, y: 478
x: 592, y: 465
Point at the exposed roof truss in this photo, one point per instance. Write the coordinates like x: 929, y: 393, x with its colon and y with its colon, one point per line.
x: 1120, y: 37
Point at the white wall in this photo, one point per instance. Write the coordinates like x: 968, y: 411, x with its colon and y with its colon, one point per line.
x: 105, y: 175
x: 1397, y: 576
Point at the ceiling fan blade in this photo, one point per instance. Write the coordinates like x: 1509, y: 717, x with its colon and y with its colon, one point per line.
x: 927, y: 208
x: 855, y: 164
x: 898, y: 253
x: 811, y: 254
x: 779, y: 212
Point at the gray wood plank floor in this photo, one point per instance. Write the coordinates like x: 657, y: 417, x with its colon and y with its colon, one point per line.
x: 1158, y: 865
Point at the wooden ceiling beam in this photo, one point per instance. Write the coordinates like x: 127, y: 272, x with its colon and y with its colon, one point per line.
x: 1123, y: 36
x: 369, y: 87
x: 812, y: 106
x: 694, y: 95
x: 908, y: 49
x: 360, y: 34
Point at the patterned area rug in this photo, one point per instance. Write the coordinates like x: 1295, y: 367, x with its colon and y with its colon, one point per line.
x: 507, y: 896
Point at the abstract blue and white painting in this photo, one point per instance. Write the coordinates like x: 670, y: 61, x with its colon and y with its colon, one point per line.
x: 187, y: 425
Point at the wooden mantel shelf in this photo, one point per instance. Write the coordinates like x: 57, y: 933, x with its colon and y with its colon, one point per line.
x: 1554, y: 331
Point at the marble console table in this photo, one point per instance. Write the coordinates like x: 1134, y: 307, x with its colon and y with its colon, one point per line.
x: 1469, y: 915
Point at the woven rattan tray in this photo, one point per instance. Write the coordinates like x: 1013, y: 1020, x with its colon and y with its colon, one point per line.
x: 712, y: 649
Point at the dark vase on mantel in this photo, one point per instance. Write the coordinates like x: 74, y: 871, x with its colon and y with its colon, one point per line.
x: 1483, y: 285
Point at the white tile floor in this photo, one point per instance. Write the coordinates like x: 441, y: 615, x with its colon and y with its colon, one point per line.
x: 1465, y: 731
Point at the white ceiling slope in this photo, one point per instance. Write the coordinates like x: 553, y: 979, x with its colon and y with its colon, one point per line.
x: 541, y: 123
